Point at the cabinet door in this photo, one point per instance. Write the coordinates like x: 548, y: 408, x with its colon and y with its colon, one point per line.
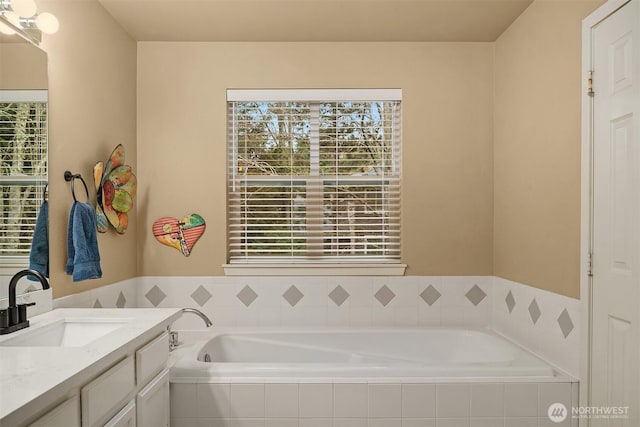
x: 67, y: 414
x: 102, y: 397
x: 152, y: 402
x: 125, y: 418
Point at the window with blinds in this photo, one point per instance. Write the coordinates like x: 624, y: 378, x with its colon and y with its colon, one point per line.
x: 23, y: 168
x: 314, y: 176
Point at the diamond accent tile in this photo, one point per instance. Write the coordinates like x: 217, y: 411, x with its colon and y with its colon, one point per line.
x: 534, y: 311
x: 476, y: 295
x: 247, y: 295
x: 122, y: 301
x: 97, y: 304
x: 430, y: 295
x: 510, y: 301
x: 566, y: 325
x: 338, y: 295
x: 384, y: 295
x: 293, y: 295
x: 155, y: 295
x: 201, y: 296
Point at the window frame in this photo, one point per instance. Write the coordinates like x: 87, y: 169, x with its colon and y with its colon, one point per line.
x: 306, y: 266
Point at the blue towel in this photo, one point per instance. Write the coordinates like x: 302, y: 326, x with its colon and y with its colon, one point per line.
x: 83, y: 257
x: 39, y: 255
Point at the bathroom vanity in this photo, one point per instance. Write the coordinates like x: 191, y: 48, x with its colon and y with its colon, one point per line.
x: 87, y: 367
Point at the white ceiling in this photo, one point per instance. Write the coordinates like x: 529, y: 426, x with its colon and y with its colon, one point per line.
x: 315, y: 20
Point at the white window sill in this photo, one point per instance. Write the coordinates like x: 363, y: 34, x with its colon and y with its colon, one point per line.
x: 314, y: 269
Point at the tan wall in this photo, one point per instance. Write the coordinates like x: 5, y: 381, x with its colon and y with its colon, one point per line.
x: 92, y: 95
x: 22, y: 66
x: 447, y: 145
x: 537, y: 147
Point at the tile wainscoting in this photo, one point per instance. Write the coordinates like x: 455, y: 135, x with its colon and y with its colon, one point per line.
x: 369, y: 404
x: 543, y: 322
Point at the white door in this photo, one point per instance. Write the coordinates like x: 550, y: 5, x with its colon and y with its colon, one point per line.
x: 615, y: 358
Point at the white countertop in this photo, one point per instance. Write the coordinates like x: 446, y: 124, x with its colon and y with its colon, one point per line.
x: 44, y: 374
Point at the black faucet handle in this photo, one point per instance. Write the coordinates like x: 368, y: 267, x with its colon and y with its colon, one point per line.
x: 4, y: 318
x: 22, y: 311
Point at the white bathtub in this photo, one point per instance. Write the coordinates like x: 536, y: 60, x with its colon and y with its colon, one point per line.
x: 362, y: 354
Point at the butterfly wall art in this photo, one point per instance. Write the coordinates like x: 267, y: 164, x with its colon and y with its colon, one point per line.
x: 116, y: 186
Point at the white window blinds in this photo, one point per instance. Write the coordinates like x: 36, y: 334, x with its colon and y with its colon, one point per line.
x: 23, y: 168
x: 314, y: 176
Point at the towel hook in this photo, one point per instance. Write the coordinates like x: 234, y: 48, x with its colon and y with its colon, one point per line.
x: 68, y: 176
x: 45, y: 192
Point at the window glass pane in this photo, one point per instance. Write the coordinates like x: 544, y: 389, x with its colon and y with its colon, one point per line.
x: 356, y: 138
x: 23, y: 173
x: 273, y: 138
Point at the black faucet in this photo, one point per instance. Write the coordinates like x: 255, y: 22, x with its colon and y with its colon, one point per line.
x: 15, y: 316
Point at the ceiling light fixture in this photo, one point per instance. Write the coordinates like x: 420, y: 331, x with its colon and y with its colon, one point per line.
x: 20, y: 16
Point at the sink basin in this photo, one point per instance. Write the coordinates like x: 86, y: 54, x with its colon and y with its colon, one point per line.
x: 65, y: 333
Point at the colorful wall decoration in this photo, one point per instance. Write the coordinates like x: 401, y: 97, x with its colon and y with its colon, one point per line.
x: 179, y: 234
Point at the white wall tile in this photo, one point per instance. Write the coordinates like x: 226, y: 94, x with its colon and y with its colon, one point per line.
x: 418, y: 400
x: 280, y: 422
x: 247, y: 400
x: 452, y: 422
x: 385, y: 422
x: 521, y: 400
x: 350, y: 400
x: 418, y: 422
x: 281, y: 400
x: 244, y: 423
x: 487, y: 400
x: 316, y: 422
x: 452, y: 400
x: 550, y: 393
x: 185, y: 422
x: 429, y: 316
x: 213, y: 400
x: 183, y: 401
x: 486, y: 422
x: 316, y: 400
x: 521, y: 422
x: 385, y: 401
x: 350, y: 422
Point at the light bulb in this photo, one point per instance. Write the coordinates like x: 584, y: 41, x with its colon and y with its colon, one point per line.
x: 5, y: 29
x: 24, y: 8
x: 47, y: 23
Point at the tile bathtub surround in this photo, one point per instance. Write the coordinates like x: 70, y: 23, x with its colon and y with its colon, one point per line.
x: 541, y: 321
x: 408, y: 301
x: 368, y: 404
x: 122, y: 294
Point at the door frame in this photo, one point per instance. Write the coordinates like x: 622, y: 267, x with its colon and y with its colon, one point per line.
x: 586, y: 199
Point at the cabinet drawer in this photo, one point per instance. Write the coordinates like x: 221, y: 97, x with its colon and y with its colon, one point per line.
x: 152, y: 358
x: 103, y: 395
x: 125, y: 418
x: 152, y: 402
x: 67, y: 414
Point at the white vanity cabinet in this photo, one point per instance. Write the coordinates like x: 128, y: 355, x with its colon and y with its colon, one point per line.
x: 67, y: 414
x: 133, y: 392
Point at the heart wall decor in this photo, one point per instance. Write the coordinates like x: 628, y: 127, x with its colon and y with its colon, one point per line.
x: 179, y: 234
